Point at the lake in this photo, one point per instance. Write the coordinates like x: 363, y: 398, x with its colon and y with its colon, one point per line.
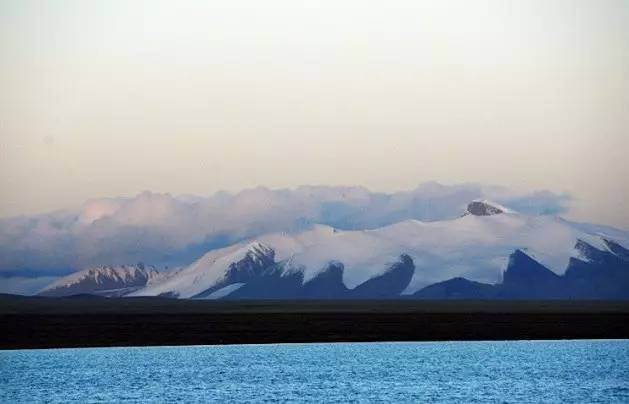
x: 467, y: 372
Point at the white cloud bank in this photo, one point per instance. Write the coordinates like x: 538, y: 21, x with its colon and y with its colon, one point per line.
x: 171, y: 230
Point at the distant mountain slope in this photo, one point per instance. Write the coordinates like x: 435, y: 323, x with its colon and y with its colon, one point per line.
x: 104, y: 281
x: 598, y: 275
x: 456, y: 288
x: 536, y: 254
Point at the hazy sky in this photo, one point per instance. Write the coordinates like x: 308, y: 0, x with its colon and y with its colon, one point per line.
x: 111, y: 98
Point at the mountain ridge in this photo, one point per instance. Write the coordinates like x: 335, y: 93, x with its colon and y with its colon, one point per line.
x: 528, y: 256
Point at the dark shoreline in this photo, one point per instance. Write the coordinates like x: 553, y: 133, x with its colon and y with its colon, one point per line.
x: 95, y: 322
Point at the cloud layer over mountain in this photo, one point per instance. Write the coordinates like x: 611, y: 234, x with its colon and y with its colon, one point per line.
x: 171, y: 230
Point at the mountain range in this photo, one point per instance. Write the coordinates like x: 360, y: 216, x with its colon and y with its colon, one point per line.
x: 489, y: 252
x: 174, y: 230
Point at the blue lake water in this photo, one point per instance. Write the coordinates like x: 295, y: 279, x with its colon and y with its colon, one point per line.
x: 467, y: 372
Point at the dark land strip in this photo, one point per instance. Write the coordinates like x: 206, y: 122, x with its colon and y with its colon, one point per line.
x: 99, y: 322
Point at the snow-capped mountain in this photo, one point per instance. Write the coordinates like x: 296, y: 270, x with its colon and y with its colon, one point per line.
x: 489, y: 245
x: 111, y: 281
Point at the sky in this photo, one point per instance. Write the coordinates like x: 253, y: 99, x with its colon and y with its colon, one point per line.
x: 111, y: 98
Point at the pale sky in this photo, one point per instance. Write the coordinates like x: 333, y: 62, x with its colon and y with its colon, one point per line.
x: 110, y: 98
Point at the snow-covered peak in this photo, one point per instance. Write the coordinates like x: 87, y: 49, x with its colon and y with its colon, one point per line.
x: 258, y: 251
x: 211, y: 268
x: 485, y: 208
x: 101, y: 279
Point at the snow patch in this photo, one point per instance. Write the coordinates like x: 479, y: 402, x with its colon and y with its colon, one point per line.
x: 227, y: 290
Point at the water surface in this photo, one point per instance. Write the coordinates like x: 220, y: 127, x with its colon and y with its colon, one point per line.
x: 543, y: 371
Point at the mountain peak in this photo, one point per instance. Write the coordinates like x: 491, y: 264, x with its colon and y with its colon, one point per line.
x: 105, y: 280
x: 260, y: 252
x: 258, y: 247
x: 484, y: 208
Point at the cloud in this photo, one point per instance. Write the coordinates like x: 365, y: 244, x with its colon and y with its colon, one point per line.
x: 168, y: 230
x: 541, y: 202
x: 24, y: 285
